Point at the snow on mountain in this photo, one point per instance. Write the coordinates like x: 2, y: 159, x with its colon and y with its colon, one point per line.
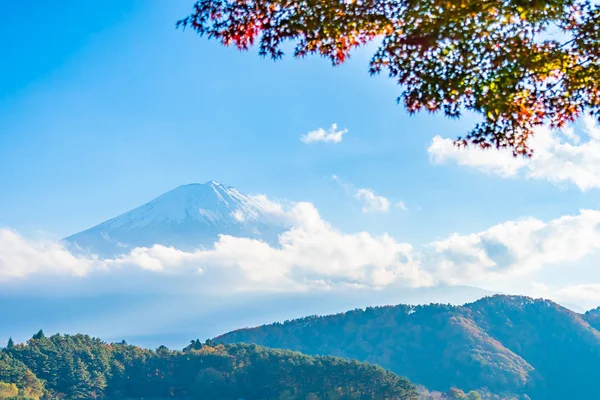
x: 188, y: 217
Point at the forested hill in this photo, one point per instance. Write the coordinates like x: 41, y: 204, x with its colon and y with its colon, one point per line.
x: 504, y: 343
x: 81, y: 367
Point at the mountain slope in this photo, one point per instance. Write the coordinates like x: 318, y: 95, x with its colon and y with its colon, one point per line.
x: 593, y: 317
x: 504, y: 343
x: 560, y: 345
x: 188, y: 217
x: 437, y: 345
x: 81, y: 367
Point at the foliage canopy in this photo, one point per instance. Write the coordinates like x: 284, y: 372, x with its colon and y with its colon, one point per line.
x: 518, y: 64
x: 81, y: 367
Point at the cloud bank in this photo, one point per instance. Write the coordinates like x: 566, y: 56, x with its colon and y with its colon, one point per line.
x: 20, y: 258
x: 559, y: 157
x: 313, y: 255
x: 516, y: 248
x: 310, y: 254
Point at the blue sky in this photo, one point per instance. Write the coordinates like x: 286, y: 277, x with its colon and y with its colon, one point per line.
x: 105, y: 105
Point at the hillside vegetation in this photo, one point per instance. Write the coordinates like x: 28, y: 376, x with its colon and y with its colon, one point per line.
x: 81, y: 367
x: 511, y: 344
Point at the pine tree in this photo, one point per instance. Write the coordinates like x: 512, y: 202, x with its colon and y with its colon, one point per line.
x: 82, y: 387
x: 39, y: 335
x: 10, y: 343
x: 98, y: 384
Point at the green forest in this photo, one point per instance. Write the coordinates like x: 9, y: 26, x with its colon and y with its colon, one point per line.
x: 82, y: 367
x: 498, y: 348
x: 513, y: 346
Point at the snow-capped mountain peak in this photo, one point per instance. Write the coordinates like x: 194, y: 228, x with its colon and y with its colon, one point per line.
x: 188, y: 216
x: 211, y: 203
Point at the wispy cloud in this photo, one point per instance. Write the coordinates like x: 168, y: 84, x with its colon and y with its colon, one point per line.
x: 560, y: 157
x: 586, y: 295
x: 371, y: 202
x: 401, y: 206
x: 333, y: 135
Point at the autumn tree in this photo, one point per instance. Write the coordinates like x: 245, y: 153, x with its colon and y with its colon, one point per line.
x: 473, y: 395
x: 455, y: 394
x: 518, y: 64
x: 8, y: 390
x: 32, y: 387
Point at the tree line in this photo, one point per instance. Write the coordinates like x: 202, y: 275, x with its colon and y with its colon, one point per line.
x: 83, y: 367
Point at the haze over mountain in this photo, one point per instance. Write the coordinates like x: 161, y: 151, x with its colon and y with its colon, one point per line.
x: 191, y: 217
x: 188, y: 217
x: 151, y: 308
x: 151, y: 320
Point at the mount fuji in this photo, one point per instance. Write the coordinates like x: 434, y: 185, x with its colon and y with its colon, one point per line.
x: 188, y: 217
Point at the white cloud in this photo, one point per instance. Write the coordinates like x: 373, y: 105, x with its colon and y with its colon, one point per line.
x: 586, y: 295
x: 333, y: 135
x: 372, y: 202
x: 268, y: 207
x: 401, y: 206
x: 313, y: 255
x: 500, y: 163
x: 559, y: 157
x: 155, y: 258
x: 515, y: 248
x: 20, y: 258
x: 310, y: 252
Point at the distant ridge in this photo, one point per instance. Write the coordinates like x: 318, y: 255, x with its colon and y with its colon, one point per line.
x: 513, y: 344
